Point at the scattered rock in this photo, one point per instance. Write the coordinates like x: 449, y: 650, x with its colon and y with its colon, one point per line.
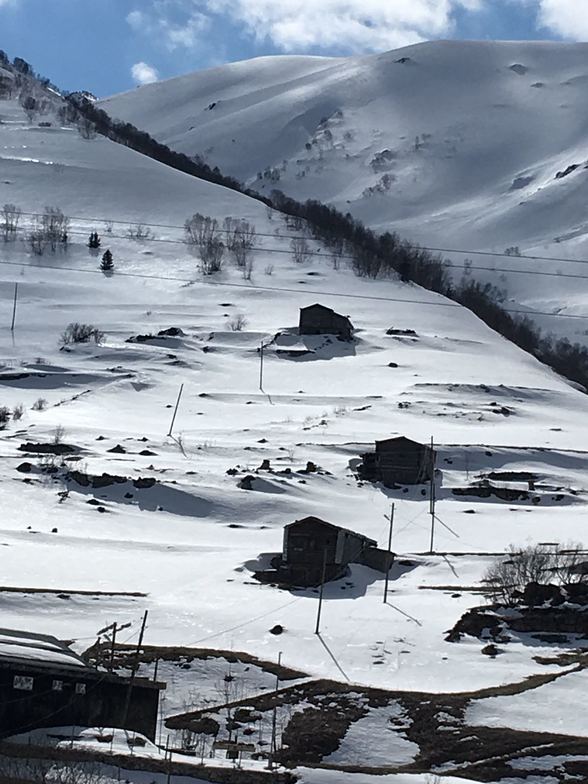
x: 118, y: 449
x: 491, y: 650
x: 25, y: 468
x: 277, y: 629
x: 246, y: 483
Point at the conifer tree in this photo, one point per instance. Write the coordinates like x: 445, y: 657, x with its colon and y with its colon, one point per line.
x: 107, y: 264
x: 94, y: 240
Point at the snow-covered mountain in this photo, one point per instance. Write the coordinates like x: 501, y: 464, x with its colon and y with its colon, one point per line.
x: 457, y: 145
x: 126, y: 518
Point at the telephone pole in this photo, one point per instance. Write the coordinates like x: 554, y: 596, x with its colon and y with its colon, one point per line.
x: 134, y: 669
x: 432, y: 499
x: 320, y: 604
x: 171, y: 427
x: 389, y: 562
x: 274, y: 744
x: 14, y: 307
x: 261, y: 348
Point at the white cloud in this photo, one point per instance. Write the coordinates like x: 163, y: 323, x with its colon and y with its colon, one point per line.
x: 356, y: 25
x: 298, y: 25
x: 568, y: 18
x: 144, y: 74
x: 161, y: 22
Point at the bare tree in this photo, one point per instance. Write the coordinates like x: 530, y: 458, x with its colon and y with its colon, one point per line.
x: 139, y: 232
x: 237, y: 323
x: 300, y: 250
x: 11, y: 215
x: 508, y: 578
x: 203, y: 233
x: 81, y: 333
x: 240, y: 238
x: 55, y: 226
x: 86, y: 128
x: 212, y: 255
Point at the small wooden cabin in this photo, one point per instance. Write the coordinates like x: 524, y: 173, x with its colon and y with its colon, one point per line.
x: 399, y: 461
x: 311, y: 544
x: 320, y: 320
x: 43, y: 683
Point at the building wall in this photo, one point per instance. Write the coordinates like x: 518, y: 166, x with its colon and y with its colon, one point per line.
x: 86, y: 701
x: 403, y: 464
x: 320, y: 322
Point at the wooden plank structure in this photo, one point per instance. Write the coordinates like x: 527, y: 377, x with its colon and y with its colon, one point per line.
x: 319, y: 320
x: 398, y: 461
x: 43, y: 683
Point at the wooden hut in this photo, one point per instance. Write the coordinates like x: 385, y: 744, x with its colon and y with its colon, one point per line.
x: 320, y: 320
x: 312, y: 545
x: 43, y: 683
x: 399, y: 461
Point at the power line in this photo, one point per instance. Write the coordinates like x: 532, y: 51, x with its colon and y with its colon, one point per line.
x: 253, y: 287
x: 462, y: 251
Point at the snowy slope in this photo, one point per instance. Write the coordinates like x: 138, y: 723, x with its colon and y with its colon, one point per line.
x: 453, y: 144
x: 185, y: 547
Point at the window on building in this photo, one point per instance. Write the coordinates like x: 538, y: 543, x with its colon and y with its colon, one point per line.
x: 57, y: 686
x: 23, y: 682
x: 80, y: 688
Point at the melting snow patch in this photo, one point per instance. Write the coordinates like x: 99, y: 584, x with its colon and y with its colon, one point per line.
x: 375, y: 741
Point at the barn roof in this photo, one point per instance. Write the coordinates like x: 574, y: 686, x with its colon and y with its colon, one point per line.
x: 400, y: 441
x: 19, y: 646
x: 325, y: 524
x: 318, y: 306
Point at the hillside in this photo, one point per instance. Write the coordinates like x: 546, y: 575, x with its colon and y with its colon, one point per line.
x: 452, y: 144
x: 125, y: 518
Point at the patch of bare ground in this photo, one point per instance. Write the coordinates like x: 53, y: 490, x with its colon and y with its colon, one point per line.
x: 435, y: 722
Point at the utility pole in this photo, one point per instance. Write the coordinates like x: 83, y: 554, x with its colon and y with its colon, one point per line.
x: 14, y: 307
x: 389, y: 562
x: 115, y: 628
x: 320, y: 604
x: 432, y: 500
x: 171, y: 427
x: 273, y: 745
x: 261, y: 348
x: 134, y: 670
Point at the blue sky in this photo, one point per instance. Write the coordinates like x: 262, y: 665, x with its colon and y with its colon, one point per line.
x: 107, y: 46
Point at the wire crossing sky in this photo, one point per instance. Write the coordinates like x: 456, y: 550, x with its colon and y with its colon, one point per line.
x: 111, y: 45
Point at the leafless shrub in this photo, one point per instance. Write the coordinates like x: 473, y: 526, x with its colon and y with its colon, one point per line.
x: 36, y: 241
x: 237, y: 323
x: 239, y: 238
x: 17, y: 412
x: 4, y: 416
x: 49, y: 229
x: 10, y: 218
x: 40, y: 404
x: 508, y: 578
x: 86, y: 128
x: 300, y: 250
x: 139, y: 232
x: 81, y: 333
x: 203, y: 233
x: 247, y: 270
x: 211, y: 256
x: 58, y: 434
x: 269, y: 270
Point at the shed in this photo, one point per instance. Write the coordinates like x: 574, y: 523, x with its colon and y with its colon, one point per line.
x: 399, y: 461
x: 311, y: 543
x: 43, y: 683
x: 320, y: 320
